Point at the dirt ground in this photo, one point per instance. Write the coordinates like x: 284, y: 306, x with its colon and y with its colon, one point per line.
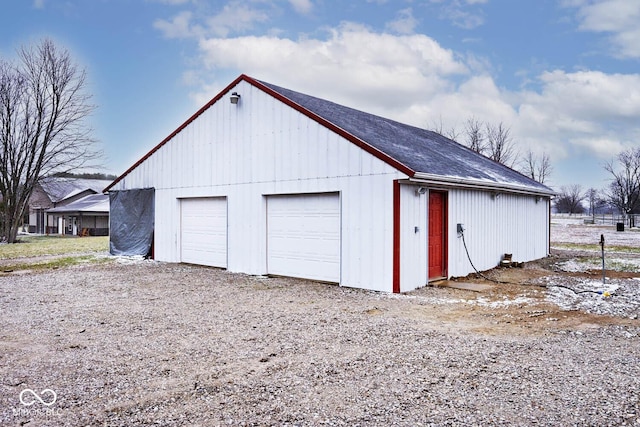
x: 138, y: 342
x: 520, y: 302
x: 508, y: 300
x: 147, y: 343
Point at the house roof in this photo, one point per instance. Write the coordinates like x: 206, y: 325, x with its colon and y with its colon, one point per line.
x: 421, y: 154
x: 59, y: 189
x: 424, y: 152
x: 93, y: 203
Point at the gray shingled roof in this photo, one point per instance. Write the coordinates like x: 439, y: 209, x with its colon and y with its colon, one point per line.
x: 59, y: 189
x: 421, y: 150
x: 93, y: 203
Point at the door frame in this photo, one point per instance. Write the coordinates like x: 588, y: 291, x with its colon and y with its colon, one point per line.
x: 180, y: 239
x: 271, y: 196
x: 445, y: 239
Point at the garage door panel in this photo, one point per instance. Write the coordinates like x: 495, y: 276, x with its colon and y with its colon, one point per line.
x: 303, y: 237
x: 204, y: 231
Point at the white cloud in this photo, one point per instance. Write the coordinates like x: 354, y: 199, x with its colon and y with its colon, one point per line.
x: 179, y: 27
x: 171, y: 2
x: 479, y: 97
x: 404, y: 23
x: 353, y: 63
x: 302, y: 6
x: 235, y: 17
x: 602, y: 147
x: 461, y: 13
x: 38, y: 4
x: 594, y: 94
x: 413, y: 79
x: 618, y: 18
x: 586, y: 110
x: 582, y: 112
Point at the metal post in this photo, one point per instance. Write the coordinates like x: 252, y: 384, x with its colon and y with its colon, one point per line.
x: 602, y: 248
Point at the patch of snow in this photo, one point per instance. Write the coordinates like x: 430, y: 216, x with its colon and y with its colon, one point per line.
x: 436, y: 300
x: 573, y: 230
x: 623, y: 299
x: 504, y: 303
x: 128, y: 260
x: 584, y: 264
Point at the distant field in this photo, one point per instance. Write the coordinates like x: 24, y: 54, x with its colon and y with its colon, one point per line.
x: 35, y: 246
x: 573, y: 234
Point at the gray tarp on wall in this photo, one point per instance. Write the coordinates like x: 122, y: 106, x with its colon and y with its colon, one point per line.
x: 131, y: 221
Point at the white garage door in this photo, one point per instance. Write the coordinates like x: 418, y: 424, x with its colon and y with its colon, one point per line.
x: 303, y: 236
x: 204, y: 231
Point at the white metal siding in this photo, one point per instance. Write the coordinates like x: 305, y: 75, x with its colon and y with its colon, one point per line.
x: 303, y: 236
x: 260, y: 140
x: 263, y: 147
x: 508, y: 223
x: 413, y: 238
x: 204, y: 231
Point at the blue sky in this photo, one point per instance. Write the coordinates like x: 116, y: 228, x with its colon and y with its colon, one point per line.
x: 564, y: 75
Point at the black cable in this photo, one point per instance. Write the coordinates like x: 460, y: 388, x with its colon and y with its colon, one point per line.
x: 513, y: 283
x: 579, y: 292
x: 474, y: 267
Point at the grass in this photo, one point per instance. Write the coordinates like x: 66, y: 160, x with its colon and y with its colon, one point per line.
x: 595, y: 263
x: 35, y: 246
x: 596, y: 247
x: 622, y: 266
x: 54, y: 263
x: 45, y: 252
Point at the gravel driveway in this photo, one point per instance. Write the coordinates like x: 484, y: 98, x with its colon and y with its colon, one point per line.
x: 150, y: 343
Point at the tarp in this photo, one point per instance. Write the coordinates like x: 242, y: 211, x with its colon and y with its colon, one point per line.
x: 131, y: 221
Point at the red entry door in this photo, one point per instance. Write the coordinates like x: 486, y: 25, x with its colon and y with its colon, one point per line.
x: 437, y: 235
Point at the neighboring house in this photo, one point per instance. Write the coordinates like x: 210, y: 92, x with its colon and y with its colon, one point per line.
x: 54, y: 192
x: 87, y: 216
x: 281, y: 183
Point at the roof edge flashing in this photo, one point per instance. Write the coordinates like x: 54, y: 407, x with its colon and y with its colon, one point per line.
x: 425, y: 178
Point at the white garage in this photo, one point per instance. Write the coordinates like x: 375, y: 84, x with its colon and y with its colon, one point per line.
x: 203, y: 236
x: 303, y: 236
x: 267, y: 180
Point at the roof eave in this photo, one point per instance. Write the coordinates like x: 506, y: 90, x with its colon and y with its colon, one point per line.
x: 459, y: 182
x: 243, y: 77
x: 78, y: 211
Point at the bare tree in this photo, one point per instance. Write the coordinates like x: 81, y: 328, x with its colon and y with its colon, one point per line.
x: 569, y: 199
x: 438, y: 127
x: 492, y: 141
x: 536, y: 168
x: 43, y: 106
x: 500, y: 146
x: 624, y: 190
x: 475, y: 138
x: 452, y: 134
x: 596, y: 201
x: 592, y: 200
